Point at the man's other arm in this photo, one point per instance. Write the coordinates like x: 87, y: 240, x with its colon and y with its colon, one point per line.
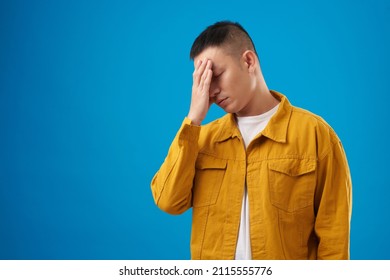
x: 333, y: 204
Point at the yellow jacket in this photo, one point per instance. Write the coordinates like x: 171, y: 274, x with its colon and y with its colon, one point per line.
x: 298, y: 180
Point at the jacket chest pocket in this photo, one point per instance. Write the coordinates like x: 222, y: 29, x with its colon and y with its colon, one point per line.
x: 208, y: 179
x: 292, y: 183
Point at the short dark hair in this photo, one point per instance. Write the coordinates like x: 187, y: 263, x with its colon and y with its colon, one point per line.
x: 223, y: 33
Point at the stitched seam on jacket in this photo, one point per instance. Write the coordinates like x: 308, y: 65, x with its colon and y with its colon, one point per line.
x: 204, y: 232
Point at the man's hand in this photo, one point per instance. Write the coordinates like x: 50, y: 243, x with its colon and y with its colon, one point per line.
x: 200, y: 100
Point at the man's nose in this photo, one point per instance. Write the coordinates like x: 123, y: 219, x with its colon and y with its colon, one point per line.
x: 214, y: 90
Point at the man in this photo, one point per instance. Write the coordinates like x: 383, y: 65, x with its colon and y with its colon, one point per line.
x: 266, y: 181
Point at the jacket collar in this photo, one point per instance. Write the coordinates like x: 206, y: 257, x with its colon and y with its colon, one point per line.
x: 275, y: 130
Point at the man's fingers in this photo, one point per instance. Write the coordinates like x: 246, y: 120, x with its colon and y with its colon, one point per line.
x: 199, y: 71
x: 194, y: 74
x: 205, y: 80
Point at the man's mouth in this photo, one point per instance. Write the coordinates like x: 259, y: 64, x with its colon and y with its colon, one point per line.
x: 220, y: 101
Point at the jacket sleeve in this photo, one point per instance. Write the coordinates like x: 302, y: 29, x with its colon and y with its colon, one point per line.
x: 172, y: 184
x: 333, y: 204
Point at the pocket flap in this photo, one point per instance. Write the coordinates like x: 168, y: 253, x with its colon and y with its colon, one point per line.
x: 207, y: 162
x: 293, y: 167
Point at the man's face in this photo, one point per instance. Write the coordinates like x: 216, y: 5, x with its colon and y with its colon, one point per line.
x: 232, y: 85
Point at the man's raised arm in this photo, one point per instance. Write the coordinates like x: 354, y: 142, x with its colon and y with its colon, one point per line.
x: 172, y: 184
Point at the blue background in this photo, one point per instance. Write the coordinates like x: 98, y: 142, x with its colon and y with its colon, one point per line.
x: 93, y: 92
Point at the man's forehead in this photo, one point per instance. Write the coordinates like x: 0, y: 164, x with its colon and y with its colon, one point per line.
x: 214, y: 53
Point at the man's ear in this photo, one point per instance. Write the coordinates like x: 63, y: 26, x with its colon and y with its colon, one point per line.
x: 249, y: 58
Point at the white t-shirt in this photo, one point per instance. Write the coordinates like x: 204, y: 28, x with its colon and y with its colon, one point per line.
x: 249, y: 128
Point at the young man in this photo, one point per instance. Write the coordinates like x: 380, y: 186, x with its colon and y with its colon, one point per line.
x: 266, y: 181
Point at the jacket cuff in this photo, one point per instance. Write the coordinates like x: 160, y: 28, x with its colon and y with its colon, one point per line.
x: 188, y: 131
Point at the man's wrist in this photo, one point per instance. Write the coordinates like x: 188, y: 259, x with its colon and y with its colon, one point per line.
x: 194, y: 121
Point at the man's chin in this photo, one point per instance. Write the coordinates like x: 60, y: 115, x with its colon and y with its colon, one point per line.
x: 228, y: 110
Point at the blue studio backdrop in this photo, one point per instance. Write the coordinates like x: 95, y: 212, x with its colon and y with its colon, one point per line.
x: 93, y: 92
